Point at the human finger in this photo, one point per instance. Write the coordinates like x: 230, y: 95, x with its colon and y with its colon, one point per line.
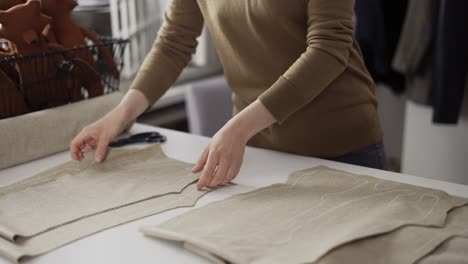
x: 208, y: 171
x: 101, y: 149
x: 220, y: 173
x: 77, y: 145
x: 201, y: 161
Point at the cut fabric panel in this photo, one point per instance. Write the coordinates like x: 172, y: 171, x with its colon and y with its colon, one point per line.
x: 405, y: 245
x: 317, y: 210
x: 453, y: 251
x: 76, y: 190
x: 40, y: 244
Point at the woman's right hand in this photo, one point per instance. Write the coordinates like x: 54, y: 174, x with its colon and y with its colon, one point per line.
x: 99, y: 134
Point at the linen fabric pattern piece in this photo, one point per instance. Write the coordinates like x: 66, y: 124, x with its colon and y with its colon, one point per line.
x: 76, y: 190
x: 453, y: 251
x: 45, y: 242
x: 316, y: 211
x: 405, y: 245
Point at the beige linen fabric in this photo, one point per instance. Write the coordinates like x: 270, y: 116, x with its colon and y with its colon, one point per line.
x: 453, y: 251
x: 405, y: 245
x: 31, y: 136
x: 76, y: 190
x: 65, y: 234
x: 317, y: 210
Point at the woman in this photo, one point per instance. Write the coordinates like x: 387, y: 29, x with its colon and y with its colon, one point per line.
x: 297, y: 75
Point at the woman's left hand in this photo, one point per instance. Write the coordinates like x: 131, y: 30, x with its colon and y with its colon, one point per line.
x: 222, y: 158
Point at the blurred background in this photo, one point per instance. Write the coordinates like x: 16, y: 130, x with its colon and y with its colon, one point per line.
x: 416, y: 51
x: 399, y: 41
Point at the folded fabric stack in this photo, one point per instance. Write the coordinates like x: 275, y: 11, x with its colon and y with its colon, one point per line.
x: 327, y: 216
x: 77, y: 199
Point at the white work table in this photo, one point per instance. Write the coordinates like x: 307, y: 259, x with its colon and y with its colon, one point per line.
x: 125, y: 244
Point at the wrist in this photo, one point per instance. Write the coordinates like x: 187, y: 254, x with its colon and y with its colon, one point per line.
x: 251, y: 120
x: 243, y: 129
x: 132, y: 105
x: 122, y: 115
x: 117, y: 119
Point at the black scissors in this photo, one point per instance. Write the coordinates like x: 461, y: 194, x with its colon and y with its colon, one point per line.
x: 149, y: 137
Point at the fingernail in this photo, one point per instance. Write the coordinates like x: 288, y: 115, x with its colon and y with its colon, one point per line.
x: 98, y: 158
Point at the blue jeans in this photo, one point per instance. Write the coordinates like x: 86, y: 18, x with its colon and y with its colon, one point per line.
x: 372, y: 156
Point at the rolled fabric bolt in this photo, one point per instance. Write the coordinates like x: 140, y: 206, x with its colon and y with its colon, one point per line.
x: 38, y: 134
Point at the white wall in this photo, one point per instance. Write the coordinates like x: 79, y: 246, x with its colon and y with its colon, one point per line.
x: 163, y: 3
x: 392, y: 115
x: 435, y: 151
x: 426, y: 149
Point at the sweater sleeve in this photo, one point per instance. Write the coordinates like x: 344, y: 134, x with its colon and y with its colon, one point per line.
x: 172, y: 49
x: 329, y: 39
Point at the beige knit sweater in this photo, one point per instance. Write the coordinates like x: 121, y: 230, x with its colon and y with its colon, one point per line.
x: 298, y: 57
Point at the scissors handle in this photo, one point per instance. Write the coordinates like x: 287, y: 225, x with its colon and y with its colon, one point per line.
x: 148, y: 137
x: 145, y: 135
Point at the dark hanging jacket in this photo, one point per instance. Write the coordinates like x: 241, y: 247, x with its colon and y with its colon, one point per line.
x: 379, y: 24
x: 450, y: 65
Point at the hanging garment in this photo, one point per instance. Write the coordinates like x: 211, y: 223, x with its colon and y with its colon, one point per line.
x: 76, y: 190
x: 450, y: 61
x: 317, y: 210
x: 433, y: 56
x: 378, y: 29
x: 413, y: 56
x: 65, y: 234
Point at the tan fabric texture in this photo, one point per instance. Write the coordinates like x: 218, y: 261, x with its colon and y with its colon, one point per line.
x: 453, y: 251
x: 317, y: 210
x: 40, y: 244
x: 35, y: 135
x: 76, y: 190
x: 298, y: 57
x: 405, y: 245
